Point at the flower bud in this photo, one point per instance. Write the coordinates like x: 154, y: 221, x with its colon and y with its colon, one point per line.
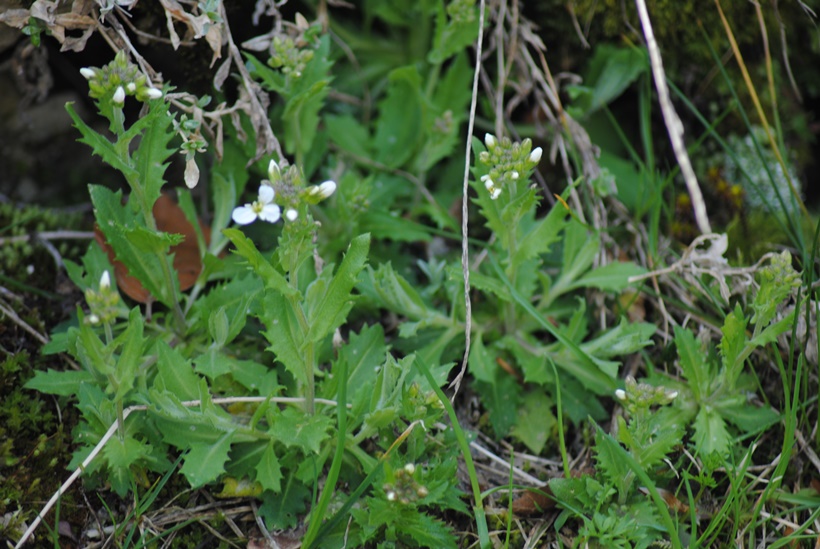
x: 131, y: 87
x: 291, y: 214
x: 119, y: 96
x: 88, y: 73
x: 153, y: 93
x: 410, y: 468
x: 105, y: 281
x: 326, y: 189
x: 489, y: 140
x: 620, y: 394
x: 273, y: 169
x: 535, y: 155
x: 514, y: 175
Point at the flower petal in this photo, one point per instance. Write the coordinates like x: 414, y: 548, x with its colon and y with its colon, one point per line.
x: 244, y: 215
x: 266, y: 194
x: 270, y: 213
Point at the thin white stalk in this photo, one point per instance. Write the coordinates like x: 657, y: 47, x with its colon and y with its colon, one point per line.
x: 673, y: 123
x: 465, y: 252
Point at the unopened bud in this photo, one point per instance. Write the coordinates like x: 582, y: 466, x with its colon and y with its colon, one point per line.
x: 410, y: 468
x: 119, y: 96
x: 131, y: 87
x: 105, y: 281
x: 489, y: 140
x: 535, y: 155
x: 88, y: 73
x: 620, y: 394
x: 153, y: 93
x: 291, y: 214
x: 273, y: 169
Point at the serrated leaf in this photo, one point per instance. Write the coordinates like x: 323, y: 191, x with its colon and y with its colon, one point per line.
x: 234, y: 298
x: 281, y: 510
x: 732, y: 345
x: 328, y: 309
x: 255, y: 377
x: 115, y: 157
x: 453, y: 35
x: 301, y: 118
x: 206, y: 461
x: 610, y: 464
x: 131, y: 356
x: 120, y: 455
x: 294, y: 427
x: 540, y: 238
x: 152, y: 154
x: 390, y: 290
x: 536, y: 422
x: 363, y: 352
x: 748, y: 417
x: 272, y: 278
x: 710, y: 434
x: 392, y: 226
x: 122, y: 229
x: 285, y: 335
x: 174, y: 373
x: 63, y: 383
x: 268, y: 470
x: 398, y: 128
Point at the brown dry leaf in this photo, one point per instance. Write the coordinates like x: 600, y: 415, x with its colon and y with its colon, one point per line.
x: 533, y: 502
x: 187, y: 261
x: 671, y: 501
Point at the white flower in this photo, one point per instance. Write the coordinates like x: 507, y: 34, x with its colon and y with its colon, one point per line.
x: 489, y: 140
x: 153, y: 93
x: 93, y: 319
x: 88, y: 73
x: 535, y: 155
x: 119, y: 96
x: 495, y: 192
x: 291, y: 214
x: 620, y: 394
x: 263, y: 208
x: 323, y: 190
x: 514, y: 175
x: 105, y: 281
x: 131, y: 87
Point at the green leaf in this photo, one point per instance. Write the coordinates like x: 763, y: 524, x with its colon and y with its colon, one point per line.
x: 268, y: 470
x: 626, y: 338
x: 174, y: 373
x: 130, y: 239
x: 580, y: 247
x: 608, y: 456
x: 745, y: 415
x: 693, y: 362
x: 540, y: 238
x: 206, y: 461
x: 389, y: 289
x: 611, y: 70
x: 348, y: 134
x: 733, y: 345
x: 282, y: 510
x: 272, y: 278
x: 777, y: 281
x: 362, y: 352
x: 453, y: 34
x: 710, y: 434
x: 294, y: 427
x: 399, y: 127
x: 152, y: 154
x: 131, y: 356
x: 613, y: 277
x: 63, y: 383
x: 391, y: 226
x: 481, y: 364
x: 115, y: 157
x: 235, y: 298
x: 535, y: 423
x: 120, y: 456
x: 255, y: 377
x: 301, y: 118
x: 327, y: 307
x: 285, y: 334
